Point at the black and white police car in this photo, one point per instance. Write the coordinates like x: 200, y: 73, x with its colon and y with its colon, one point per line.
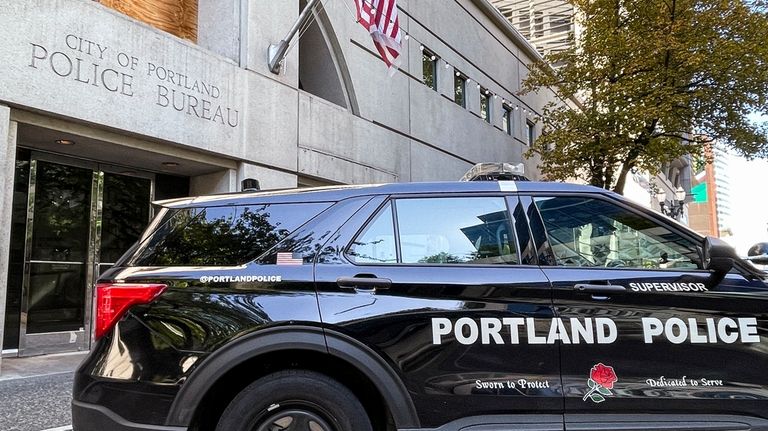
x: 474, y: 306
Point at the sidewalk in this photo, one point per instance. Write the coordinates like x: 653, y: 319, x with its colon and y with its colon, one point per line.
x: 16, y: 368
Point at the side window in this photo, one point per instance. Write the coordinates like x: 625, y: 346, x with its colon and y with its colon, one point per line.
x: 376, y: 243
x: 590, y: 232
x: 460, y: 89
x: 485, y: 105
x: 222, y: 236
x: 474, y: 230
x: 530, y: 132
x: 429, y: 64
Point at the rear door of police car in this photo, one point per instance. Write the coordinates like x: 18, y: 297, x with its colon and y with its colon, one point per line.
x: 439, y: 286
x: 642, y: 328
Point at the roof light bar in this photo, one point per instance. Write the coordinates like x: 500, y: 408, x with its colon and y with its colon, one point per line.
x: 496, y: 172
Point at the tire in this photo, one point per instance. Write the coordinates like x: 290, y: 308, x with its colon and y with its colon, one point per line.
x: 295, y: 400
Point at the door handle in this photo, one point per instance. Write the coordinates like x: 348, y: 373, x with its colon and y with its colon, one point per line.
x: 364, y: 283
x: 600, y: 288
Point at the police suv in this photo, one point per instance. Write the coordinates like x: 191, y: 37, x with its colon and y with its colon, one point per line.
x: 473, y: 306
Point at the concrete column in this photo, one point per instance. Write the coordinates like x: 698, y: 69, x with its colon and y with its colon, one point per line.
x: 473, y: 97
x: 267, y: 22
x: 217, y: 182
x: 269, y: 179
x: 218, y: 27
x: 445, y: 79
x: 497, y: 111
x: 7, y: 168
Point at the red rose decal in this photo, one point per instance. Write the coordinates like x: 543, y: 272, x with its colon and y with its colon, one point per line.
x: 601, y: 380
x: 603, y: 375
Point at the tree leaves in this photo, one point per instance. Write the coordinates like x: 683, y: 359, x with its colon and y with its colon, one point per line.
x: 655, y: 80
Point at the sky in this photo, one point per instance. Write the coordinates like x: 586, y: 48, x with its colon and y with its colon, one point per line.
x: 749, y: 202
x: 749, y: 199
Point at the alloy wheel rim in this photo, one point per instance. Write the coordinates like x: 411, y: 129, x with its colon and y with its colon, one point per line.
x: 294, y: 419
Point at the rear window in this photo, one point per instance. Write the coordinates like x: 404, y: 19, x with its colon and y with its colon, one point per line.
x: 221, y: 236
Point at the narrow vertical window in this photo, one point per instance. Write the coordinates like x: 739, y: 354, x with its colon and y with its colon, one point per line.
x: 485, y: 104
x: 530, y: 132
x: 460, y: 89
x: 429, y: 64
x: 506, y: 119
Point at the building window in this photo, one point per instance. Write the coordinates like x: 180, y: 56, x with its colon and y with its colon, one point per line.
x: 429, y: 64
x: 530, y: 132
x: 460, y: 89
x: 485, y: 104
x: 178, y: 17
x: 506, y: 119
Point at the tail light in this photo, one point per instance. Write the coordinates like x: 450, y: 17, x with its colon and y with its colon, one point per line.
x: 114, y: 299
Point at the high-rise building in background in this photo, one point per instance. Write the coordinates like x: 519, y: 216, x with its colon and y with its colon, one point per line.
x: 547, y: 24
x: 702, y: 209
x: 710, y: 207
x: 723, y: 191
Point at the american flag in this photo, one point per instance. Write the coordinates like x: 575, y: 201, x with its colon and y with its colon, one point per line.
x: 379, y: 17
x: 290, y: 259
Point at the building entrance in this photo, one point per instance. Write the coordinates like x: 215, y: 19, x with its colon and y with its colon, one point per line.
x: 80, y: 217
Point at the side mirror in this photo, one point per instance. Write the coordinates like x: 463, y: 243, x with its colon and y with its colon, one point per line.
x: 758, y: 253
x: 717, y: 256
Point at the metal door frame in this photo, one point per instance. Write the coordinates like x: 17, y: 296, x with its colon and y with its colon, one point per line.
x: 94, y: 252
x: 78, y: 340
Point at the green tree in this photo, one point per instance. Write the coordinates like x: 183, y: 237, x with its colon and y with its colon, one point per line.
x: 656, y: 79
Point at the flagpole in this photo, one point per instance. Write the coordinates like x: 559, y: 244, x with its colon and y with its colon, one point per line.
x: 278, y: 51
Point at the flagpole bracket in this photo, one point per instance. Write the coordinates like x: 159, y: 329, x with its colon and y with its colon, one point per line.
x: 276, y: 54
x: 277, y: 51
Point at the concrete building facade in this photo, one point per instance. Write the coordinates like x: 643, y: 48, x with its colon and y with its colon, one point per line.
x: 102, y: 113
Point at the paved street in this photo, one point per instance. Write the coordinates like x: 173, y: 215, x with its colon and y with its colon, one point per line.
x: 36, y: 403
x: 35, y: 393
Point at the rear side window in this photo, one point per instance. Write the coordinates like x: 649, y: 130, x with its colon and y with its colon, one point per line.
x: 376, y: 243
x: 222, y: 236
x: 455, y: 230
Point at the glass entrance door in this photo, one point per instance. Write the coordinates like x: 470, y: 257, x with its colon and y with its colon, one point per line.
x: 80, y: 219
x: 124, y: 215
x: 56, y: 270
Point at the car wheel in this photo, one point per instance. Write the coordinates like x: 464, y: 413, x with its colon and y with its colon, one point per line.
x: 295, y: 400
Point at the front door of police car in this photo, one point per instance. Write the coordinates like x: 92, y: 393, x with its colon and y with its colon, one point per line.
x: 641, y: 328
